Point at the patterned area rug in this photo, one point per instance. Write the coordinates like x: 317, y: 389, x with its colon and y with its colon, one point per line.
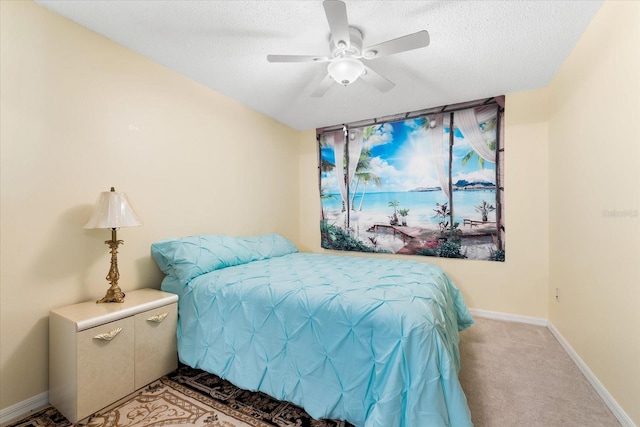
x: 193, y: 397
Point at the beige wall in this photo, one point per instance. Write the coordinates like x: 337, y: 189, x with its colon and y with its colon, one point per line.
x: 80, y: 114
x: 594, y: 130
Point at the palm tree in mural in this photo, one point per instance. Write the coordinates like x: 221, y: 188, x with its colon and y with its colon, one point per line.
x: 425, y: 123
x: 363, y: 175
x: 484, y: 127
x: 326, y: 165
x: 394, y: 204
x: 324, y: 196
x: 365, y: 178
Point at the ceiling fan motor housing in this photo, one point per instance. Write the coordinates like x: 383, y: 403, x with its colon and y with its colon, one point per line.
x: 339, y: 47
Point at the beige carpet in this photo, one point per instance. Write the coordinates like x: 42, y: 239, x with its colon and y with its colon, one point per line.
x: 516, y: 374
x: 513, y: 375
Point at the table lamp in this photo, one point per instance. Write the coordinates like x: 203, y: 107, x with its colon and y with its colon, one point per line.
x: 113, y: 211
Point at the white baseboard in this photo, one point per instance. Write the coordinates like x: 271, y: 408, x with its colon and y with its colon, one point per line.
x: 23, y: 408
x: 619, y: 413
x: 508, y: 317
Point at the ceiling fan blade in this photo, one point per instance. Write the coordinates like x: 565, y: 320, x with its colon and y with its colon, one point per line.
x: 296, y: 58
x: 401, y: 44
x: 324, y: 85
x: 379, y: 82
x: 336, y: 12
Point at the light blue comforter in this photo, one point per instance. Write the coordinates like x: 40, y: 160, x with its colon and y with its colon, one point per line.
x: 373, y: 341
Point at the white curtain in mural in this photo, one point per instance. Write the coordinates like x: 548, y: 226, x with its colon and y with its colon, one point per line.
x: 355, y: 149
x: 468, y: 121
x: 337, y: 140
x: 435, y: 134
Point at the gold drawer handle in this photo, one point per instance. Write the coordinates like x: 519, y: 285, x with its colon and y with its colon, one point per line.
x: 108, y: 336
x: 158, y: 317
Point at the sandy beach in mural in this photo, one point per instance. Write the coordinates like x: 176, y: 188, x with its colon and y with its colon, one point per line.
x: 477, y: 237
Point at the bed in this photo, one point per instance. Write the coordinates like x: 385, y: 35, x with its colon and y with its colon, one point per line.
x: 368, y: 340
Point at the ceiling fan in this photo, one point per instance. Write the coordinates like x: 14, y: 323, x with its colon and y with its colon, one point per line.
x: 345, y: 44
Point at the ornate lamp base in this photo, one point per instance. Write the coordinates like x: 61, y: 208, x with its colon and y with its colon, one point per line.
x: 114, y: 293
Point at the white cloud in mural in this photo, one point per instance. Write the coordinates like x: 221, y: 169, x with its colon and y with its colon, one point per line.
x: 415, y: 124
x: 382, y: 136
x: 392, y: 178
x: 381, y: 168
x: 329, y: 183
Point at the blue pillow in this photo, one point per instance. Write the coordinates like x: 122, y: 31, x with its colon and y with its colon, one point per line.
x: 189, y: 257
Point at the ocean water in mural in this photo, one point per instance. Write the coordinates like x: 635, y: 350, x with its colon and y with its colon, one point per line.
x: 415, y: 187
x: 419, y: 204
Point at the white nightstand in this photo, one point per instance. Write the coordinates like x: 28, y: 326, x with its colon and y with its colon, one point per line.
x: 99, y: 353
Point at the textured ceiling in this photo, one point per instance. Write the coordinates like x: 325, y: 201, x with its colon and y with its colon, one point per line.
x: 478, y: 49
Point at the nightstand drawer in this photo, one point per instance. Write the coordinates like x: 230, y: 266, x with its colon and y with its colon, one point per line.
x: 156, y: 345
x: 104, y: 363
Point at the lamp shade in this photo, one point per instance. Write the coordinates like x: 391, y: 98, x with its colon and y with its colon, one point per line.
x: 345, y: 70
x: 113, y: 210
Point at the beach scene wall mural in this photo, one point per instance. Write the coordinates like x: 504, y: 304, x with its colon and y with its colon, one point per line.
x: 427, y: 185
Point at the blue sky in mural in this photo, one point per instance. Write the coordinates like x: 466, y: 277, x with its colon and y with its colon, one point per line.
x: 401, y: 155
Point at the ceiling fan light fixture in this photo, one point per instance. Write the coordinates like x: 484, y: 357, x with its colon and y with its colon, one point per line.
x: 345, y: 70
